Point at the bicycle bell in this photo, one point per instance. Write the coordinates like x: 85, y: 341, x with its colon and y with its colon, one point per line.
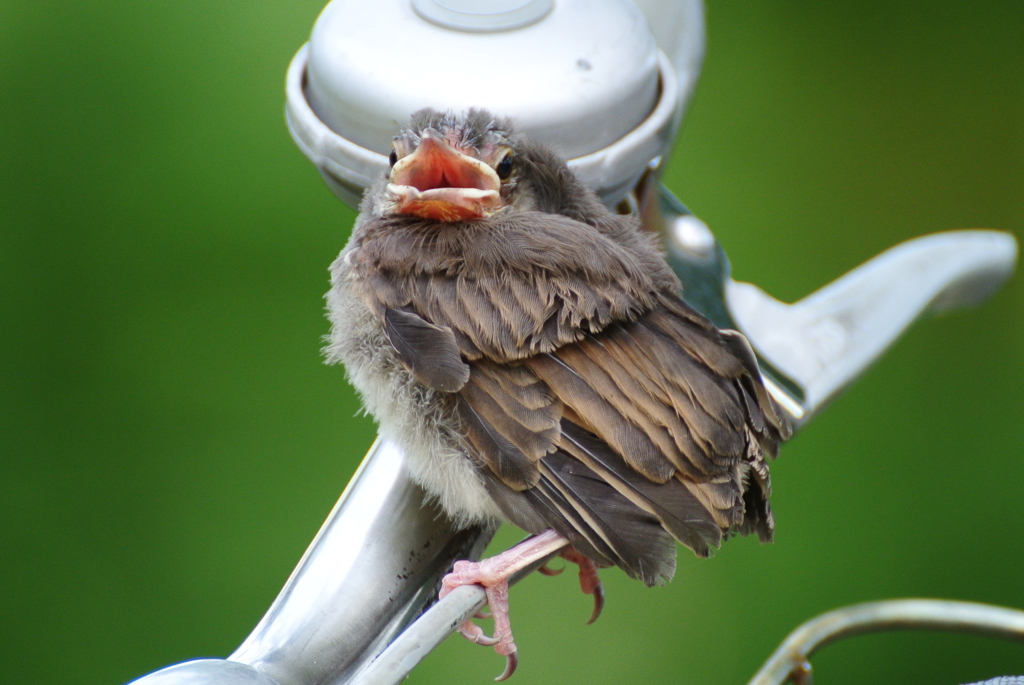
x: 588, y: 77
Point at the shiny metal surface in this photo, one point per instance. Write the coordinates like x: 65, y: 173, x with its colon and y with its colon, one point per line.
x: 590, y: 78
x: 348, y: 168
x: 351, y: 592
x: 496, y: 15
x: 814, y: 348
x: 790, y: 660
x: 374, y: 566
x: 579, y: 78
x: 430, y: 630
x: 824, y: 341
x: 207, y: 672
x: 678, y: 29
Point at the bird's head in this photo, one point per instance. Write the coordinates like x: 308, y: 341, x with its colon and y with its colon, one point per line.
x: 451, y: 168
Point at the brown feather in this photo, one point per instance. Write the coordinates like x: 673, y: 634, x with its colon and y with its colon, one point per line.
x: 679, y: 511
x: 595, y: 285
x: 428, y: 351
x: 492, y: 448
x: 533, y: 441
x: 753, y: 384
x: 531, y: 406
x: 664, y: 363
x: 625, y: 398
x: 704, y: 344
x: 714, y: 414
x: 641, y: 547
x: 564, y: 518
x: 649, y: 402
x: 625, y: 437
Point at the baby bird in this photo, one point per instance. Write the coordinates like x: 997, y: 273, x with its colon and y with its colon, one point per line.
x: 529, y: 351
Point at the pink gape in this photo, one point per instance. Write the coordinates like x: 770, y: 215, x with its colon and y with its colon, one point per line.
x: 493, y: 574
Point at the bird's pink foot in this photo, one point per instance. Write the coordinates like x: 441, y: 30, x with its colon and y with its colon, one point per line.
x: 590, y: 583
x: 493, y: 575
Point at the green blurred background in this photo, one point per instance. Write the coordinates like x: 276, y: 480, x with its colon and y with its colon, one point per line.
x: 171, y: 441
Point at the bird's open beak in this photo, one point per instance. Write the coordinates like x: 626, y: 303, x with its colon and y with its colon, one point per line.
x: 438, y: 182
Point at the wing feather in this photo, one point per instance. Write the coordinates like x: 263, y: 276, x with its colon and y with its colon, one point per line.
x: 596, y: 402
x: 640, y: 545
x: 428, y: 351
x: 626, y: 438
x: 492, y: 448
x: 530, y: 442
x: 679, y: 511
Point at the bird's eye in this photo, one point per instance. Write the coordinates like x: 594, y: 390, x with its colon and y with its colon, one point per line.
x: 393, y: 158
x: 504, y: 168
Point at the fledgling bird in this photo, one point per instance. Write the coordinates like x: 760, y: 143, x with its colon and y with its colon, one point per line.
x: 529, y: 351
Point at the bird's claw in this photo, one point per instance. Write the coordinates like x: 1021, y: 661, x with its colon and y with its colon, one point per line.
x: 545, y: 570
x: 598, y: 603
x: 496, y: 587
x: 590, y: 583
x: 475, y: 633
x: 511, y: 662
x: 493, y: 575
